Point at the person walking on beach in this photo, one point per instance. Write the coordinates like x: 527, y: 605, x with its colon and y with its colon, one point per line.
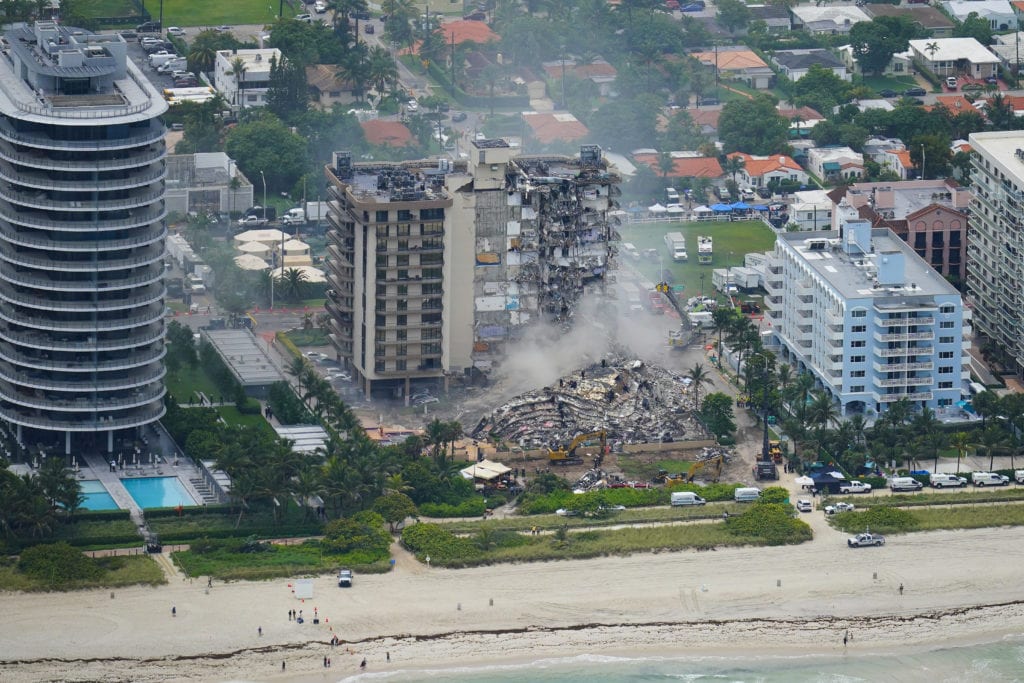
x: 174, y: 611
x: 325, y: 661
x: 389, y: 656
x: 901, y: 589
x: 259, y: 629
x: 362, y: 664
x: 846, y: 638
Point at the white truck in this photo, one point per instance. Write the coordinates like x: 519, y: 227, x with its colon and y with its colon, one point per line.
x: 296, y: 216
x: 676, y: 244
x: 316, y: 211
x: 251, y: 221
x: 942, y: 480
x: 989, y: 479
x: 705, y: 249
x: 855, y: 487
x: 1018, y: 476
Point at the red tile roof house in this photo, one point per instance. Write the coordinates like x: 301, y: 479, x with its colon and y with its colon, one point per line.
x: 387, y: 133
x: 684, y: 165
x: 758, y: 171
x: 547, y: 128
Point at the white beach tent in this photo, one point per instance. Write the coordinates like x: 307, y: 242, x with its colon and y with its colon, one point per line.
x: 250, y: 262
x: 312, y: 274
x: 657, y: 208
x: 255, y: 248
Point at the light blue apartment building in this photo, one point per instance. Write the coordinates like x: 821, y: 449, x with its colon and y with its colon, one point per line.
x: 868, y: 317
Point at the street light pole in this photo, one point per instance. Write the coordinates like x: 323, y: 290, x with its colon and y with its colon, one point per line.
x: 264, y: 178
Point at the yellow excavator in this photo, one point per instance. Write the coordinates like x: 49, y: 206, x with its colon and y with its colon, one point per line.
x: 567, y: 455
x: 713, y: 465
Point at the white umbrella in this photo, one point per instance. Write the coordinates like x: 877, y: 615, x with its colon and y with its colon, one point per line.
x: 657, y: 208
x: 253, y: 248
x: 804, y: 481
x: 250, y: 262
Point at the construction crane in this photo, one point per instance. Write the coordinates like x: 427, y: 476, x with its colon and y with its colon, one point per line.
x: 567, y: 455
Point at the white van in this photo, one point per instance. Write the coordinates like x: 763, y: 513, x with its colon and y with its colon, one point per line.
x: 672, y: 195
x: 989, y: 479
x: 940, y: 480
x: 686, y: 498
x: 905, y: 484
x: 747, y: 495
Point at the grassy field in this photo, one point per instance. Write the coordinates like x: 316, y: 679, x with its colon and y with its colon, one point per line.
x: 197, y: 523
x: 221, y: 12
x: 731, y: 242
x: 188, y: 380
x: 108, y: 8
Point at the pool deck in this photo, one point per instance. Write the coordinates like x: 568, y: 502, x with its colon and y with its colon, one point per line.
x: 98, y: 467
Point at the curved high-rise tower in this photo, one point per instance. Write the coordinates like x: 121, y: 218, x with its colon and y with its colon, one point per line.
x: 81, y: 238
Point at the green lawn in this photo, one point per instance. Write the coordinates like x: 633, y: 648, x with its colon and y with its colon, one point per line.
x: 230, y: 12
x: 731, y: 242
x: 635, y: 468
x: 233, y: 417
x: 897, y: 83
x: 108, y: 8
x: 313, y: 337
x: 186, y: 381
x: 115, y: 572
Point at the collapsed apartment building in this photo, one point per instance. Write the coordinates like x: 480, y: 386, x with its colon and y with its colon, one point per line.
x: 436, y: 266
x: 629, y: 400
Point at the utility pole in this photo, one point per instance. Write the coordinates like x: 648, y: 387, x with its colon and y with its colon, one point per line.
x: 452, y: 60
x: 922, y: 161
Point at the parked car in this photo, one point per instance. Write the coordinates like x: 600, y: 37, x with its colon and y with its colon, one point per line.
x: 361, y: 15
x: 412, y: 105
x: 697, y: 6
x: 804, y: 505
x: 320, y: 7
x: 223, y: 29
x: 148, y: 27
x: 951, y: 82
x: 315, y: 355
x: 865, y: 539
x: 914, y: 92
x: 709, y: 101
x: 566, y: 513
x: 887, y: 93
x: 175, y: 31
x: 459, y: 116
x: 838, y: 507
x: 345, y: 578
x: 855, y: 487
x: 763, y: 193
x: 425, y: 400
x: 304, y: 17
x: 369, y: 28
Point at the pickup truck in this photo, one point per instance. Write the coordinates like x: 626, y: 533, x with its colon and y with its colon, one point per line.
x: 865, y: 539
x: 252, y: 221
x: 855, y: 487
x: 1018, y: 476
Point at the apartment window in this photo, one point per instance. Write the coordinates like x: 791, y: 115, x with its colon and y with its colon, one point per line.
x: 859, y: 328
x: 401, y: 335
x: 380, y: 320
x: 403, y: 290
x: 947, y: 309
x: 401, y: 366
x: 946, y: 355
x: 857, y: 344
x: 954, y: 238
x: 403, y: 275
x: 382, y: 289
x: 402, y: 320
x: 381, y: 216
x: 378, y: 366
x: 947, y: 324
x: 403, y: 229
x: 403, y: 260
x: 945, y: 369
x: 856, y: 359
x: 938, y: 239
x: 858, y: 313
x: 857, y: 388
x: 382, y: 261
x: 857, y: 373
x: 403, y: 304
x: 937, y: 256
x: 382, y: 232
x: 401, y: 350
x: 920, y: 240
x: 404, y: 215
x: 945, y: 402
x: 945, y: 340
x: 945, y: 385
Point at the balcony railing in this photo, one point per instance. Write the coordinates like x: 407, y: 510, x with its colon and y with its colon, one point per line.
x: 83, y: 423
x: 140, y: 239
x: 20, y: 358
x: 132, y: 159
x: 903, y: 367
x: 85, y: 384
x: 35, y: 321
x: 32, y: 279
x: 892, y: 398
x: 139, y: 257
x: 39, y: 200
x: 41, y: 141
x: 153, y: 293
x: 912, y: 336
x: 42, y: 181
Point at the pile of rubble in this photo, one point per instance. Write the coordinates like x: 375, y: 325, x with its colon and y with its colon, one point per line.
x: 632, y: 401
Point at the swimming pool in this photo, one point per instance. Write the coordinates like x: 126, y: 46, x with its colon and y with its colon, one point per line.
x: 96, y: 496
x: 158, y: 492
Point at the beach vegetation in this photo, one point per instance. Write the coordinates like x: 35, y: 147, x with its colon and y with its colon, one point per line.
x: 644, y: 515
x: 760, y: 524
x: 894, y: 520
x: 774, y: 494
x: 61, y: 567
x: 534, y: 503
x: 882, y: 519
x: 967, y: 497
x: 394, y: 508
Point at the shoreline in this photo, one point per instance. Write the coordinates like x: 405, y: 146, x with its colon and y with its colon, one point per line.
x: 783, y: 601
x: 700, y: 642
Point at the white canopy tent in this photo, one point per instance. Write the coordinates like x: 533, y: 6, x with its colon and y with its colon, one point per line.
x: 657, y: 208
x: 485, y: 469
x: 251, y: 262
x: 256, y: 248
x: 312, y: 274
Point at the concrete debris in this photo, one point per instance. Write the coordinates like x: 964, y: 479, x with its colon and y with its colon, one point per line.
x: 632, y: 401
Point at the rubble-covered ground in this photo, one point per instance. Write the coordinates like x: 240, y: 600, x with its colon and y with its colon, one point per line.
x: 633, y: 401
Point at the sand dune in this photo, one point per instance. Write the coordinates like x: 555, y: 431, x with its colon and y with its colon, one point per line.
x: 960, y: 587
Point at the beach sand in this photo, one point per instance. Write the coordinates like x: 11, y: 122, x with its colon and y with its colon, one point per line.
x: 960, y: 587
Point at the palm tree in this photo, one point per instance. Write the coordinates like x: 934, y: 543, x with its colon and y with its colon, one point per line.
x: 823, y: 410
x: 733, y: 165
x: 394, y: 483
x: 292, y: 284
x: 201, y: 58
x: 698, y: 376
x: 665, y: 164
x: 381, y: 70
x: 961, y: 441
x: 722, y: 320
x: 931, y: 48
x: 238, y: 69
x: 993, y: 439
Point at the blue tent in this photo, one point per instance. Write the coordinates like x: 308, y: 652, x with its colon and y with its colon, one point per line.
x: 740, y: 206
x: 721, y: 207
x: 760, y: 207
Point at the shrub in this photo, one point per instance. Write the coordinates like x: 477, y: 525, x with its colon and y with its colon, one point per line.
x: 467, y: 508
x: 876, y: 482
x: 881, y: 518
x: 439, y: 544
x: 58, y: 562
x: 774, y: 494
x: 249, y: 407
x: 711, y: 492
x: 771, y: 522
x: 362, y: 531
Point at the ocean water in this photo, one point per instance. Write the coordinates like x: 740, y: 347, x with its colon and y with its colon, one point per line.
x: 1000, y: 662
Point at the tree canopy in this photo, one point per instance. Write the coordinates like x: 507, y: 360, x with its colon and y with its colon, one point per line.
x: 875, y: 42
x: 266, y: 144
x: 753, y: 126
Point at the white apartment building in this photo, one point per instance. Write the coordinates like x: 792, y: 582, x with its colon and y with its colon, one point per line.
x: 995, y: 270
x: 243, y: 76
x: 868, y: 317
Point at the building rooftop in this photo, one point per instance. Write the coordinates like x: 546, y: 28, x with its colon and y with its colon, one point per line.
x: 684, y: 164
x: 838, y: 15
x: 388, y: 133
x: 925, y: 15
x: 551, y: 127
x: 244, y: 357
x: 805, y: 59
x: 730, y: 59
x: 256, y: 61
x: 1004, y: 147
x: 954, y: 49
x: 51, y: 71
x: 854, y: 276
x: 961, y: 9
